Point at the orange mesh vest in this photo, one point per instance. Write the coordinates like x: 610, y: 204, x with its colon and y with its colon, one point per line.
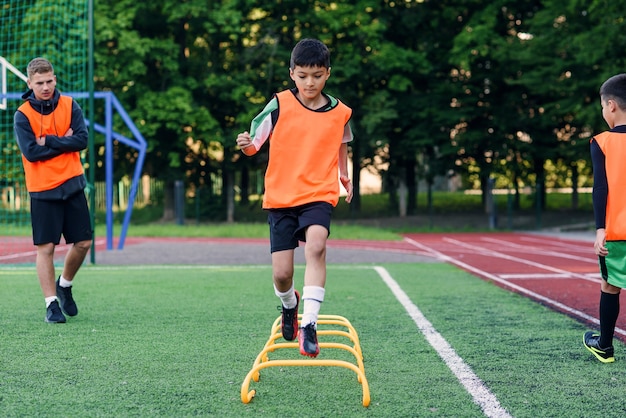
x: 49, y: 174
x: 304, y: 154
x: 613, y: 145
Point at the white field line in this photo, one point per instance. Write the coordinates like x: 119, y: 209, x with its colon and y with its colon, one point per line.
x: 535, y: 250
x: 473, y: 385
x: 520, y: 289
x: 493, y: 253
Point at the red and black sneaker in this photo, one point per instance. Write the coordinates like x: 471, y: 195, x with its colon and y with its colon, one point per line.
x: 308, y: 341
x: 289, y: 321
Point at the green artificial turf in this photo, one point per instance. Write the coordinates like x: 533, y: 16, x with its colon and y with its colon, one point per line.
x: 178, y: 341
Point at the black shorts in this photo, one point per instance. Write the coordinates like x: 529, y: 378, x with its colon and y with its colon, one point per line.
x: 288, y: 226
x: 51, y: 218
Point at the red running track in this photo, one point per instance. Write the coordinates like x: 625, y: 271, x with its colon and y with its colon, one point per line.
x: 560, y: 273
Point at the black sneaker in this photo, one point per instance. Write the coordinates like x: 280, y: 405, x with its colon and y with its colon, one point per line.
x: 591, y: 341
x: 54, y: 314
x: 308, y: 341
x: 67, y: 300
x: 289, y: 321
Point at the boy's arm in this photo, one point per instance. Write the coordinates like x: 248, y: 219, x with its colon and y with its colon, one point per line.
x: 600, y: 190
x: 76, y: 138
x: 343, y: 171
x: 32, y: 150
x: 260, y: 129
x: 600, y: 196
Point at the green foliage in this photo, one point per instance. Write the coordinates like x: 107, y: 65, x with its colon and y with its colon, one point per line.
x: 505, y: 89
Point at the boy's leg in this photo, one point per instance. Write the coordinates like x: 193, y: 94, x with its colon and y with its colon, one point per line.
x: 601, y: 345
x: 46, y: 219
x: 313, y: 291
x: 77, y: 230
x: 315, y: 272
x: 609, y: 312
x: 45, y: 269
x: 45, y: 273
x: 282, y: 274
x: 282, y: 270
x: 74, y: 259
x: 282, y: 224
x: 315, y: 256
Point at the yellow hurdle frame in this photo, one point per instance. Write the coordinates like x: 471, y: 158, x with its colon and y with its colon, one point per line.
x: 263, y: 361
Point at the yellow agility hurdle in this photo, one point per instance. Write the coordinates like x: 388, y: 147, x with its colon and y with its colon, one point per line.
x: 263, y: 361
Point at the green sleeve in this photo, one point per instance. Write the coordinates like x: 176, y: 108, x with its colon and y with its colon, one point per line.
x: 264, y: 118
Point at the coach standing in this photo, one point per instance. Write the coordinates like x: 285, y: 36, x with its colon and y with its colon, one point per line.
x: 50, y: 131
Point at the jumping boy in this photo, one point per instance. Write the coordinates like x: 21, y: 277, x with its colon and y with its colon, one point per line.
x: 308, y: 132
x: 608, y: 153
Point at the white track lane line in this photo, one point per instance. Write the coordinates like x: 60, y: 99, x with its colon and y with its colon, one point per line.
x: 493, y: 253
x: 578, y: 246
x: 473, y: 385
x: 520, y: 289
x: 534, y: 250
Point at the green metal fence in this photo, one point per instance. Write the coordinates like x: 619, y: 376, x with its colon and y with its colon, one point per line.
x: 57, y: 31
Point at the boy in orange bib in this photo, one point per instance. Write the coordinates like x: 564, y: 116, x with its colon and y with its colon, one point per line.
x: 308, y: 132
x: 50, y: 131
x: 608, y: 153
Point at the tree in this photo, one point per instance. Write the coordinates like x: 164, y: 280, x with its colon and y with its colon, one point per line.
x: 570, y: 50
x: 489, y: 133
x: 499, y: 89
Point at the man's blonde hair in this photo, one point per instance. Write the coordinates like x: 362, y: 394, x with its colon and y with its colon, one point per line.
x: 39, y: 66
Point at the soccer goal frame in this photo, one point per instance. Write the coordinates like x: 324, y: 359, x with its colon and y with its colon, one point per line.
x: 111, y: 105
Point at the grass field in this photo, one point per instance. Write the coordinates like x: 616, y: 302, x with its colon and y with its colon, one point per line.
x: 178, y: 341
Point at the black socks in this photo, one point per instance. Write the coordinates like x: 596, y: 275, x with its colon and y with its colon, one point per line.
x: 609, y: 311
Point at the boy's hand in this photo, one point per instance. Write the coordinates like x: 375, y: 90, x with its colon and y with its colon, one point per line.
x: 599, y: 244
x: 244, y: 140
x: 347, y: 184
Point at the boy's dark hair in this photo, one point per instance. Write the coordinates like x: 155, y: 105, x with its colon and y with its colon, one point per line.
x: 615, y: 89
x: 310, y: 53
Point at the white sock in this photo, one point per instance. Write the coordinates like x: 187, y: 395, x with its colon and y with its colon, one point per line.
x: 287, y: 298
x: 63, y: 282
x: 49, y: 300
x: 312, y: 296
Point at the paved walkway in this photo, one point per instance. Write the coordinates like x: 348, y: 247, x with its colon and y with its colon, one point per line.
x: 209, y: 251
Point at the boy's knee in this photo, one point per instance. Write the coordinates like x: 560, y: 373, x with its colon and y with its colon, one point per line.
x: 283, y: 275
x: 45, y: 249
x: 315, y: 249
x: 83, y: 245
x: 609, y: 288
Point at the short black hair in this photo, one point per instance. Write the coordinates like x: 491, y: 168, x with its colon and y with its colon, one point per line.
x: 615, y: 89
x: 310, y: 53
